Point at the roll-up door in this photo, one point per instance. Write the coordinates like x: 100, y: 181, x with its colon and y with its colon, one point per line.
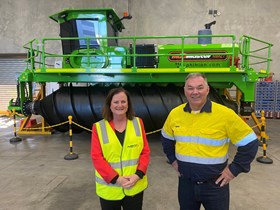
x: 11, y: 66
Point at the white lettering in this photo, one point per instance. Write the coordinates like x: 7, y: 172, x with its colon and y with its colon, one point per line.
x: 197, y: 56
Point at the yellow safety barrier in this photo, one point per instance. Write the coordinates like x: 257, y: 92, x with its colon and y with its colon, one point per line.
x: 47, y: 127
x: 258, y: 125
x: 264, y: 158
x: 15, y: 138
x: 71, y: 155
x: 81, y: 126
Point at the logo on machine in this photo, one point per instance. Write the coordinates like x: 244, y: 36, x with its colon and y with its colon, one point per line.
x: 198, y: 56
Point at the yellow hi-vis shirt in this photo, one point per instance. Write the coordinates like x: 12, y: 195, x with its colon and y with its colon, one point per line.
x: 204, y: 137
x: 124, y: 159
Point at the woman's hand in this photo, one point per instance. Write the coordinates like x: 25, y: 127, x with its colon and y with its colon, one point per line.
x: 131, y: 181
x: 121, y: 180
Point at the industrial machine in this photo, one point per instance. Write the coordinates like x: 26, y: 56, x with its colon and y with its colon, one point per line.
x: 152, y: 68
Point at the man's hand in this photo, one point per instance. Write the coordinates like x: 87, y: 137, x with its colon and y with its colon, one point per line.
x: 225, y: 177
x: 175, y: 166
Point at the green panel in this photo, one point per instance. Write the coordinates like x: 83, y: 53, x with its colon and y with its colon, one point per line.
x: 197, y: 55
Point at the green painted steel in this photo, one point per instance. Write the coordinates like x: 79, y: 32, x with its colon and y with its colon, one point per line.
x: 93, y: 56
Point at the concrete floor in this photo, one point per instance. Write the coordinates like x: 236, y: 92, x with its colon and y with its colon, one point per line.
x: 35, y: 176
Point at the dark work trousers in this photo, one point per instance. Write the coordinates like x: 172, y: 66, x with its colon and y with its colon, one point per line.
x: 128, y: 203
x: 192, y: 194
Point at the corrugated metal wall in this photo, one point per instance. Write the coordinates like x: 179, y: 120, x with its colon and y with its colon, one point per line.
x: 11, y: 66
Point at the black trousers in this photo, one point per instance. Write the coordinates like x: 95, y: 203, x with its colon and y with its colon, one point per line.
x: 127, y: 203
x: 194, y: 194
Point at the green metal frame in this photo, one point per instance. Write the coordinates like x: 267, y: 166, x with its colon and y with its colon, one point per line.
x: 221, y: 77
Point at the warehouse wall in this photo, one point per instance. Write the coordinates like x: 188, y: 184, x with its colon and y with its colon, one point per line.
x: 24, y: 20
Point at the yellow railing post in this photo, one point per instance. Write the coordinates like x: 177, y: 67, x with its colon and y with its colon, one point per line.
x: 15, y: 138
x: 71, y: 155
x: 264, y: 158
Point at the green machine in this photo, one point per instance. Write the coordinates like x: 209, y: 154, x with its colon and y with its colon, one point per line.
x: 94, y: 58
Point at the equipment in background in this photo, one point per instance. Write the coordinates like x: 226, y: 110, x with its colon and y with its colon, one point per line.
x: 95, y: 58
x: 206, y: 31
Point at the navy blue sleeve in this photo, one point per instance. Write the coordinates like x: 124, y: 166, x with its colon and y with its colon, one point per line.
x: 243, y: 158
x: 168, y: 149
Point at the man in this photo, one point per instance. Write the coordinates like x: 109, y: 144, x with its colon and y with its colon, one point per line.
x: 195, y: 139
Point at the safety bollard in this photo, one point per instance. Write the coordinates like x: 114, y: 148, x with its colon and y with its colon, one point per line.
x: 71, y: 155
x: 15, y: 138
x: 264, y: 158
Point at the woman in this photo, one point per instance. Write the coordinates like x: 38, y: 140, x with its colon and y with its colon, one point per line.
x: 120, y: 154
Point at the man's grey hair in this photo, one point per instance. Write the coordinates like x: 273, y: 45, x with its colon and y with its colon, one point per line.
x: 194, y: 75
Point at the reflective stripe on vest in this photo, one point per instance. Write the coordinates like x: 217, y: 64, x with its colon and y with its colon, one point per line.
x: 124, y: 163
x: 105, y: 135
x: 103, y: 132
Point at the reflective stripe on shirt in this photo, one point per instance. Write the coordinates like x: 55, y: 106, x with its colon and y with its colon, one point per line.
x: 201, y: 160
x: 201, y: 140
x: 165, y: 135
x: 246, y: 140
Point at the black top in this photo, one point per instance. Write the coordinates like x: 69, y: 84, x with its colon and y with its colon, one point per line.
x: 120, y: 136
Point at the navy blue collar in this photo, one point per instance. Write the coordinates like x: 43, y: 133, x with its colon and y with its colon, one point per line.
x: 206, y: 108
